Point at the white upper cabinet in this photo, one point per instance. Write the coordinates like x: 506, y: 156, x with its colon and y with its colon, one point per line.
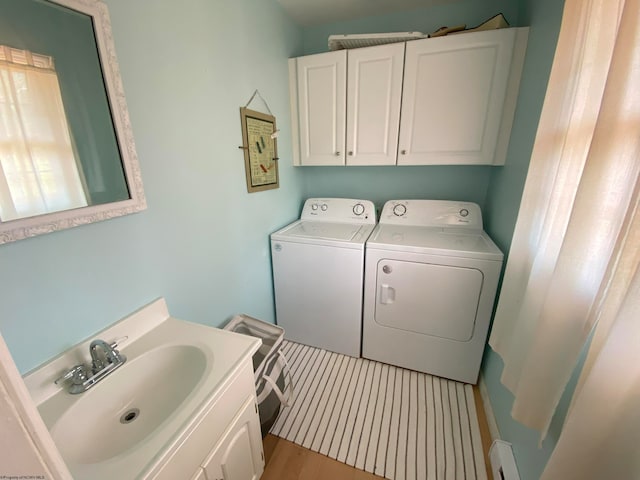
x: 446, y: 100
x: 347, y: 106
x: 321, y: 96
x: 374, y: 89
x: 459, y: 98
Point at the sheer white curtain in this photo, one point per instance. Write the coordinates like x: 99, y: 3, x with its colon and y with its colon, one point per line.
x: 576, y: 210
x: 601, y: 434
x: 39, y: 172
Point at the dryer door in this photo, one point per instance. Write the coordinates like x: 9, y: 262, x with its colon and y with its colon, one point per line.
x: 427, y: 298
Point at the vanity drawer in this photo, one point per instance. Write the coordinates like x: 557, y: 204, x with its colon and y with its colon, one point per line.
x: 189, y: 452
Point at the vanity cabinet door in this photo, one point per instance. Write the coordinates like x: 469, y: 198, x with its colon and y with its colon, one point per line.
x: 458, y: 98
x: 374, y: 90
x: 321, y: 99
x: 238, y: 454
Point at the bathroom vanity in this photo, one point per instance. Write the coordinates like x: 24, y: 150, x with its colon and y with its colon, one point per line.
x: 183, y: 405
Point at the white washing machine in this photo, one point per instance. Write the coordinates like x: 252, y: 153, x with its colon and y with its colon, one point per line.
x: 430, y: 282
x: 318, y: 273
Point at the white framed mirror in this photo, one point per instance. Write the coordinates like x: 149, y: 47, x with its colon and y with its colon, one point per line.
x: 67, y: 153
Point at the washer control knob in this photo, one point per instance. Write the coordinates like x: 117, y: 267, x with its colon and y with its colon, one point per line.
x: 464, y: 212
x: 358, y: 209
x: 314, y: 206
x: 399, y: 210
x: 324, y: 207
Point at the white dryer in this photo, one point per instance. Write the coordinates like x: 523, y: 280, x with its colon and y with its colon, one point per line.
x: 430, y: 282
x: 318, y: 273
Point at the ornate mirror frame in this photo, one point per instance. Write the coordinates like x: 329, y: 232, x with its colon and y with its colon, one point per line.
x: 13, y: 230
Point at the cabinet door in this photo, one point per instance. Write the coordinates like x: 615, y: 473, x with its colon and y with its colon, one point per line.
x: 453, y: 98
x: 321, y: 83
x: 238, y: 454
x: 374, y: 89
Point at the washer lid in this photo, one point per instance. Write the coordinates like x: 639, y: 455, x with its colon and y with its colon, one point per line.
x: 457, y: 242
x: 347, y: 235
x: 325, y: 230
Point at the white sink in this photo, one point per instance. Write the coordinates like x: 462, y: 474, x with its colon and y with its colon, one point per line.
x: 133, y: 420
x: 129, y: 405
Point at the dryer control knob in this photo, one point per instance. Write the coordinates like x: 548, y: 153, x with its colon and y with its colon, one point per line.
x: 358, y: 209
x: 464, y: 212
x: 399, y: 210
x: 314, y: 206
x: 386, y: 269
x: 324, y: 207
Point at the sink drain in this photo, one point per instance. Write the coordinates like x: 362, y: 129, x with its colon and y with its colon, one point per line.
x: 129, y: 416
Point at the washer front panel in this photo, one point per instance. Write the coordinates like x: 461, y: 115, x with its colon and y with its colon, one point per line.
x: 318, y: 293
x: 318, y: 273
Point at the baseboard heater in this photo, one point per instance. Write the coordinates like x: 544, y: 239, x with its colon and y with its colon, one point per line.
x: 503, y: 463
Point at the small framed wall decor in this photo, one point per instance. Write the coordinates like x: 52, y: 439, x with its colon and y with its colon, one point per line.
x: 260, y: 150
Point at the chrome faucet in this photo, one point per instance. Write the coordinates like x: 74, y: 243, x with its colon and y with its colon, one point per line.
x: 103, y: 355
x: 105, y: 358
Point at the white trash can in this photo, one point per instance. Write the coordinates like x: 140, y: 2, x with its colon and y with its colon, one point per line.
x: 274, y: 386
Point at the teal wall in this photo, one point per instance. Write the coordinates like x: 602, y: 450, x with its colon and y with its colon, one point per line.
x: 202, y: 243
x: 379, y: 184
x: 506, y: 183
x: 500, y: 213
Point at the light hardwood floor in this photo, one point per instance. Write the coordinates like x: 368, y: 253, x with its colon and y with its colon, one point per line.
x: 288, y: 461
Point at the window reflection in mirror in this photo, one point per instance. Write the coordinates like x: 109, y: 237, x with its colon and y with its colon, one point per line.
x: 58, y: 146
x: 39, y: 171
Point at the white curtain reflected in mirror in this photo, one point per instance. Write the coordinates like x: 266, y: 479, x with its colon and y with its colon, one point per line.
x: 39, y: 171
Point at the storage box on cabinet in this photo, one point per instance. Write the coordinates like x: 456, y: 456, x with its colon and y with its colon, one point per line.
x: 457, y: 96
x: 346, y: 106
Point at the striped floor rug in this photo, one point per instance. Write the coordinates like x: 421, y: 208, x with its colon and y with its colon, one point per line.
x: 389, y: 421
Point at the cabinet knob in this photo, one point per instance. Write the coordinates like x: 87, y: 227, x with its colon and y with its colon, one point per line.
x: 403, y: 152
x: 351, y: 154
x: 337, y: 154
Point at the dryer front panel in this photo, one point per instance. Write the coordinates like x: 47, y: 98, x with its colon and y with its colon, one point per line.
x: 428, y: 299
